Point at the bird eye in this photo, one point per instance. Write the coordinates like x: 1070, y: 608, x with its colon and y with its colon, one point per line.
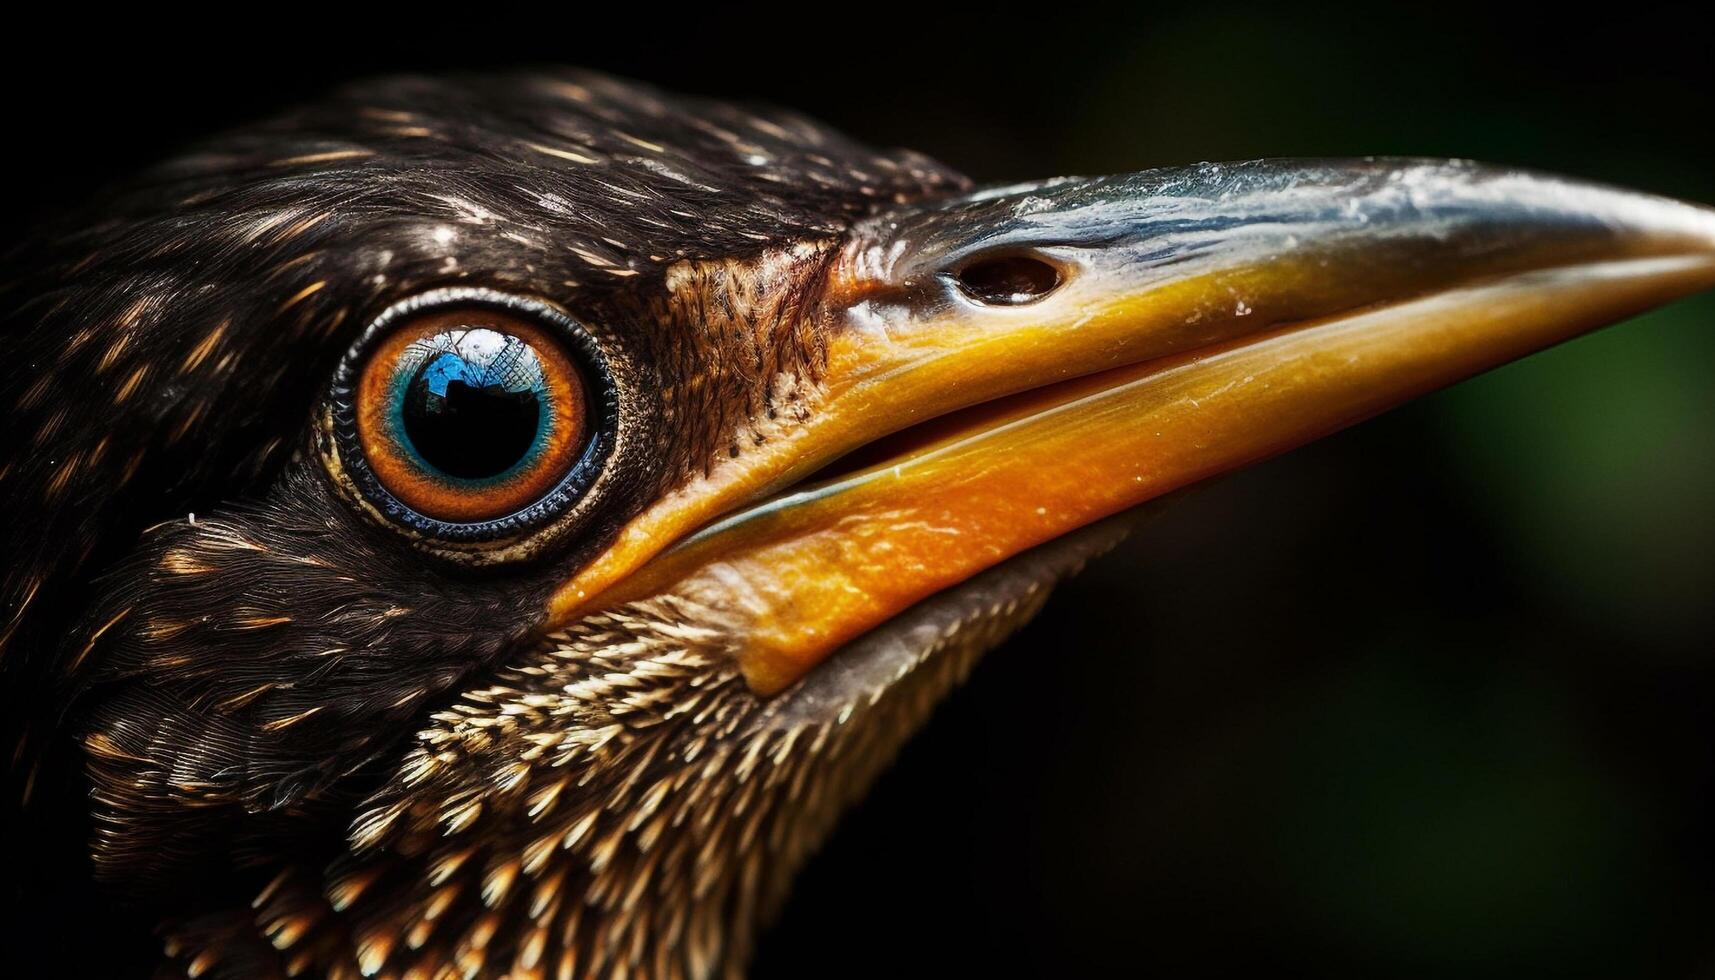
x: 1007, y: 280
x: 469, y: 415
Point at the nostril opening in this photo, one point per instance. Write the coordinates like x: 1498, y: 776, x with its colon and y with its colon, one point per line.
x: 1008, y: 280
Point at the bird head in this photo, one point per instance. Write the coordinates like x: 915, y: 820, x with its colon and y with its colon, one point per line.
x: 496, y: 525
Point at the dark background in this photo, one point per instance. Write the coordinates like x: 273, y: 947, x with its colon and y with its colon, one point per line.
x: 1429, y: 698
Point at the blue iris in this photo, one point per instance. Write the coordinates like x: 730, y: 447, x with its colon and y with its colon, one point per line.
x: 472, y: 405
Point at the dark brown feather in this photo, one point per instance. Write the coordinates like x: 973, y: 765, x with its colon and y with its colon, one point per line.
x: 241, y: 677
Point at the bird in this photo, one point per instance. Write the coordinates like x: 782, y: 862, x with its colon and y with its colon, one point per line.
x: 493, y: 525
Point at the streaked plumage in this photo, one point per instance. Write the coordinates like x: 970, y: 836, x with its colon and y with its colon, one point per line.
x: 295, y: 738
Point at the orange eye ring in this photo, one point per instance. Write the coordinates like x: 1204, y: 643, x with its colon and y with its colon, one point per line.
x: 469, y: 415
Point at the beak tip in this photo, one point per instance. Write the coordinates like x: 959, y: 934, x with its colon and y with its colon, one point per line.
x: 1664, y: 224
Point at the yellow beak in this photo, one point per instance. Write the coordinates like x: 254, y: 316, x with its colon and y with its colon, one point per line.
x: 1046, y: 356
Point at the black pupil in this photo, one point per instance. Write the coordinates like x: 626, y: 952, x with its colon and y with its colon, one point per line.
x: 473, y: 402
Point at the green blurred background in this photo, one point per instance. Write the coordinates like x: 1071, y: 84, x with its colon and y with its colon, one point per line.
x: 1429, y: 698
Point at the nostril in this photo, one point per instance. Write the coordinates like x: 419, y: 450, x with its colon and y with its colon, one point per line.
x: 1007, y: 280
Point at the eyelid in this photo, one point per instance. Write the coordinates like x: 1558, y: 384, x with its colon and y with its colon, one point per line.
x: 464, y: 525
